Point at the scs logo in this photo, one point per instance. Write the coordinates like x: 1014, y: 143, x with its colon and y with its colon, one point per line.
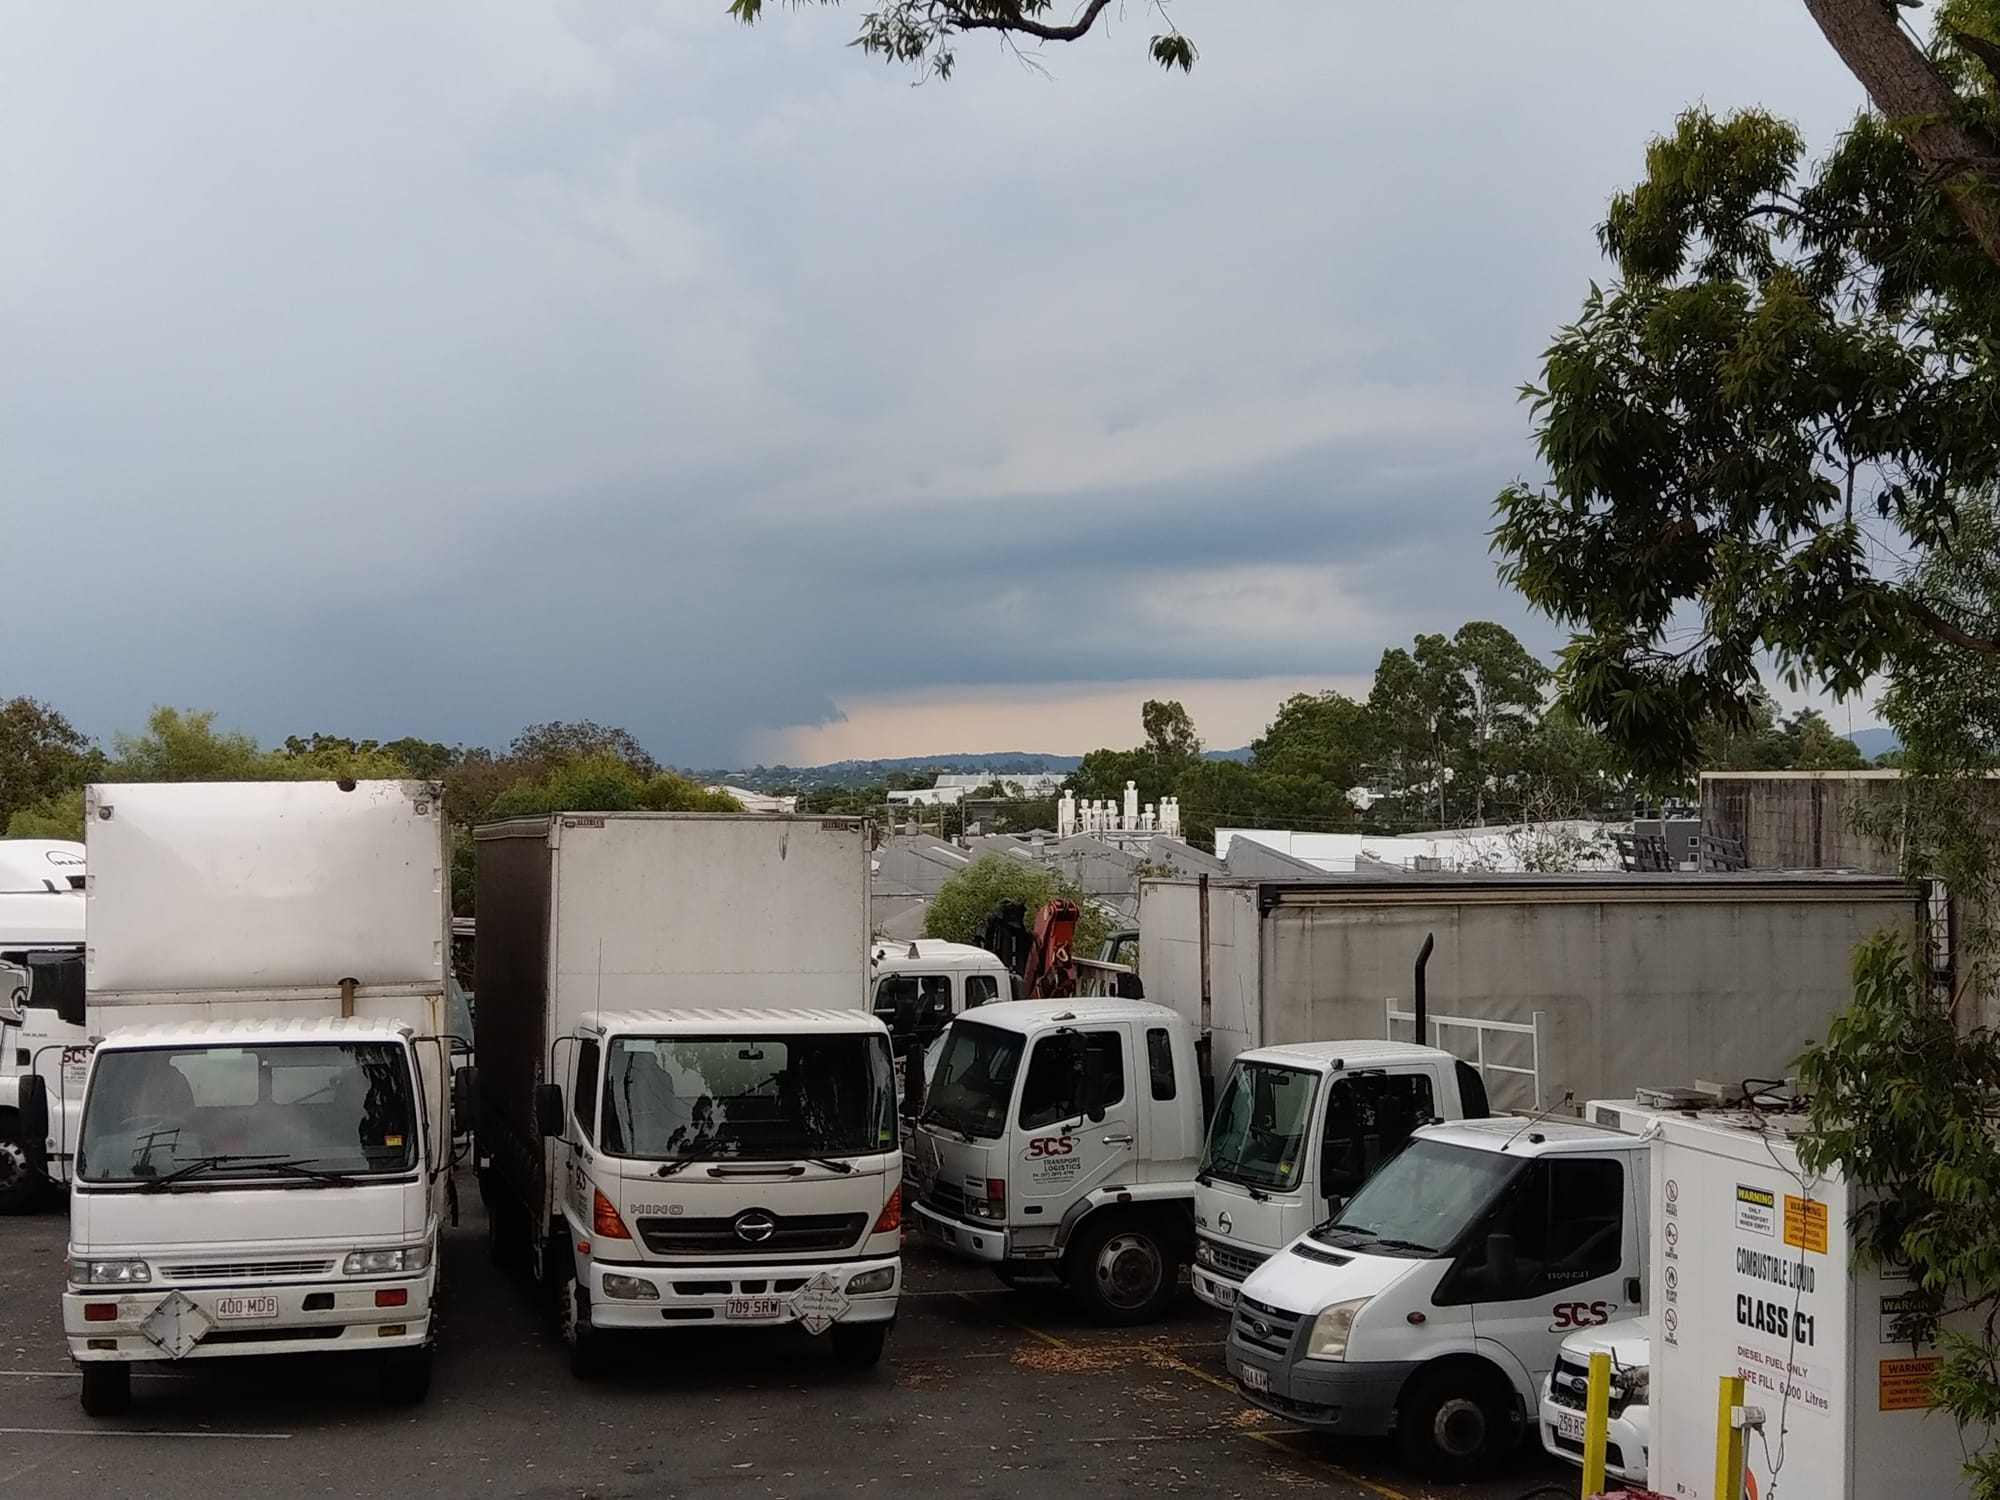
x: 1581, y: 1315
x: 1050, y: 1145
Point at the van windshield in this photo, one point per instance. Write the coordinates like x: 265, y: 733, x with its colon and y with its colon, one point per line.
x: 1259, y: 1135
x: 1421, y: 1200
x: 973, y: 1083
x: 278, y: 1109
x: 758, y: 1098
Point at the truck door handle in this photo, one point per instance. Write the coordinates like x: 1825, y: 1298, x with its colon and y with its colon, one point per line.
x: 1118, y: 1140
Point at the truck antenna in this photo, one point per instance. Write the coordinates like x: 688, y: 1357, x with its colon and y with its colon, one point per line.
x: 1533, y: 1120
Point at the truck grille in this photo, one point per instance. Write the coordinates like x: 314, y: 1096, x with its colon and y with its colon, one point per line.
x: 791, y: 1234
x: 1261, y: 1326
x: 947, y: 1200
x: 237, y: 1270
x: 1231, y: 1262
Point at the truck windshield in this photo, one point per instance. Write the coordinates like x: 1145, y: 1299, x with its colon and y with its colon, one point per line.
x: 243, y: 1111
x: 974, y: 1080
x: 760, y: 1098
x: 1421, y: 1200
x: 1259, y: 1135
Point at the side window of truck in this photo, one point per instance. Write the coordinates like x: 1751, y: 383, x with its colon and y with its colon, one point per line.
x: 909, y: 1003
x: 583, y: 1100
x: 1160, y: 1061
x: 981, y: 989
x: 1054, y: 1087
x: 1368, y: 1118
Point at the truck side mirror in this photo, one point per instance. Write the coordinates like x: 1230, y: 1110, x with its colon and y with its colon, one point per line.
x: 1093, y: 1084
x: 1502, y: 1262
x: 550, y: 1118
x: 913, y: 1079
x: 55, y: 982
x: 34, y: 1122
x: 465, y: 1098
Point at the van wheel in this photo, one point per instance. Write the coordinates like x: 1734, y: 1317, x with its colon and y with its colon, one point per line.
x: 584, y: 1343
x: 1457, y: 1422
x: 1123, y: 1270
x: 858, y: 1346
x: 406, y: 1378
x: 107, y: 1388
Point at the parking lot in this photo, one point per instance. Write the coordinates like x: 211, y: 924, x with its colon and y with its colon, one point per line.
x: 983, y: 1391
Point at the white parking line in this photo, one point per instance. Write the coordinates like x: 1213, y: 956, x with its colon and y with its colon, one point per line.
x: 119, y: 1432
x: 72, y: 1375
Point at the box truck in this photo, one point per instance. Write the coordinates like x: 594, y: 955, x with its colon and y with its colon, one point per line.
x: 687, y: 1109
x: 256, y: 1131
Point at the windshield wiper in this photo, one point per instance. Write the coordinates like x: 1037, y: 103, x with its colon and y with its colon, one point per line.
x: 268, y: 1161
x: 1392, y: 1244
x: 702, y: 1149
x: 945, y: 1125
x: 831, y: 1163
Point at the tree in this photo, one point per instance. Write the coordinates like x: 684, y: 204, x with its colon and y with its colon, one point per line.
x: 1811, y: 744
x: 1792, y: 381
x: 1226, y: 793
x: 1420, y: 700
x: 1503, y: 703
x: 1325, y: 736
x: 42, y: 757
x: 922, y: 33
x: 558, y: 741
x: 606, y: 783
x: 1171, y: 747
x: 185, y: 745
x: 964, y: 904
x: 1170, y: 736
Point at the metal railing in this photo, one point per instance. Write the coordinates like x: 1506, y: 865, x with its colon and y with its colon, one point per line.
x: 1535, y: 1029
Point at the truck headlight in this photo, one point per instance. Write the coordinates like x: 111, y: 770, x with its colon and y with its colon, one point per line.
x: 110, y: 1272
x: 879, y: 1280
x: 405, y: 1261
x: 1203, y: 1254
x: 630, y: 1288
x: 1331, y: 1328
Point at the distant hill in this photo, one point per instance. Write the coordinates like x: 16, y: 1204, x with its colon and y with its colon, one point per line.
x: 871, y: 772
x: 1875, y: 742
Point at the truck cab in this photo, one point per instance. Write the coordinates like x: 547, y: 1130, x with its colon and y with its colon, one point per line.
x: 916, y: 988
x: 1058, y: 1142
x: 726, y: 1168
x: 1432, y: 1305
x: 1297, y: 1130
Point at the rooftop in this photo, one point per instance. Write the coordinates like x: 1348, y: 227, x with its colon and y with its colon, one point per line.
x: 296, y: 1030
x: 732, y: 1021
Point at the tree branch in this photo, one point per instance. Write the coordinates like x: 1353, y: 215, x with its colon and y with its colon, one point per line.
x: 960, y: 21
x: 1945, y: 629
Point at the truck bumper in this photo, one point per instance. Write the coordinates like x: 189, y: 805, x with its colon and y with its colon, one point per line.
x: 982, y: 1242
x: 740, y: 1296
x: 1627, y: 1437
x: 1217, y: 1290
x: 1327, y: 1395
x: 219, y: 1322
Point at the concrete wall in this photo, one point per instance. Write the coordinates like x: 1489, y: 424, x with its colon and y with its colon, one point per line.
x: 1797, y: 820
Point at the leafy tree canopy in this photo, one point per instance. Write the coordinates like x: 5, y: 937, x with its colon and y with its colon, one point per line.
x: 958, y: 913
x: 607, y: 783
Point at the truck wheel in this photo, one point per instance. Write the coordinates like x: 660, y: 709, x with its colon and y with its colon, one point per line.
x: 406, y: 1378
x: 20, y: 1187
x: 584, y: 1343
x: 107, y: 1389
x: 503, y: 1241
x: 1122, y: 1270
x: 1457, y: 1422
x: 858, y: 1346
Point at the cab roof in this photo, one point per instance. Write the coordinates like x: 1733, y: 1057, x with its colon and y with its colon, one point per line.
x: 257, y: 1033
x: 731, y: 1021
x: 933, y: 953
x: 1031, y: 1015
x: 1356, y: 1054
x: 1523, y: 1135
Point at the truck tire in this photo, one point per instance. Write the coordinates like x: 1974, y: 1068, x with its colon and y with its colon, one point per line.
x: 20, y: 1187
x: 107, y: 1388
x: 503, y: 1236
x: 406, y: 1378
x: 858, y: 1346
x: 584, y: 1343
x: 1457, y: 1421
x: 1123, y: 1268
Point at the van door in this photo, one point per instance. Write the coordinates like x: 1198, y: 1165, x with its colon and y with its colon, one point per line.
x: 1367, y: 1118
x: 1059, y: 1153
x: 1573, y: 1235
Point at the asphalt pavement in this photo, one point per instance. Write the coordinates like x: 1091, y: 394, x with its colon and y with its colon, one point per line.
x: 984, y: 1391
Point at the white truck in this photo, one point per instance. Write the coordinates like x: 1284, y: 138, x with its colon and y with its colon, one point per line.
x: 686, y: 1111
x: 259, y: 1155
x: 1432, y: 1304
x: 35, y: 925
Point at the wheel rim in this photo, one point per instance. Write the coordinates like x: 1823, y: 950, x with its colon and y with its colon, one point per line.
x: 1129, y: 1271
x: 13, y: 1165
x: 1459, y: 1428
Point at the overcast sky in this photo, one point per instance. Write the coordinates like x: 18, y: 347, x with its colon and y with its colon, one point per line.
x: 434, y: 368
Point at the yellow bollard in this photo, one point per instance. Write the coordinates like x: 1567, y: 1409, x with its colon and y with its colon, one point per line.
x: 1729, y: 1441
x: 1596, y: 1421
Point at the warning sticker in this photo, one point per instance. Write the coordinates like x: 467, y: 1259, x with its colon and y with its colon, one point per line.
x: 1905, y: 1384
x: 1805, y: 1224
x: 1895, y: 1313
x: 1756, y: 1210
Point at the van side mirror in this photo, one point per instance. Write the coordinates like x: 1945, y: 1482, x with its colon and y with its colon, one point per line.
x: 465, y: 1099
x: 1093, y: 1084
x: 550, y: 1118
x: 1502, y: 1263
x: 34, y: 1120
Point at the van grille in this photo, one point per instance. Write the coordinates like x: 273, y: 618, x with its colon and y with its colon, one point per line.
x: 791, y: 1234
x: 237, y: 1270
x: 1264, y: 1327
x: 1569, y: 1385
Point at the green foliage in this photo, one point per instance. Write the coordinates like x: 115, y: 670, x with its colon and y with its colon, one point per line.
x: 58, y: 816
x: 43, y: 757
x: 1793, y: 379
x: 606, y: 783
x: 1324, y: 736
x: 553, y: 743
x: 958, y: 913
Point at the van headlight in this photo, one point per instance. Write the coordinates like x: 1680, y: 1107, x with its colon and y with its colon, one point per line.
x: 406, y: 1260
x: 109, y: 1272
x: 1331, y: 1328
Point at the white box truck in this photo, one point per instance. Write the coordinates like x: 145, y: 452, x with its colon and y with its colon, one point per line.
x: 687, y: 1111
x: 36, y: 926
x: 259, y: 1155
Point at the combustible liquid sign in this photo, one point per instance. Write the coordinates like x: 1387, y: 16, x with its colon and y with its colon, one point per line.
x: 1805, y: 1224
x: 1905, y: 1384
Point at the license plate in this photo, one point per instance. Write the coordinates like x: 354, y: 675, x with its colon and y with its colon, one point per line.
x: 1255, y: 1379
x: 1569, y: 1424
x: 753, y: 1309
x: 1225, y: 1296
x: 230, y: 1309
